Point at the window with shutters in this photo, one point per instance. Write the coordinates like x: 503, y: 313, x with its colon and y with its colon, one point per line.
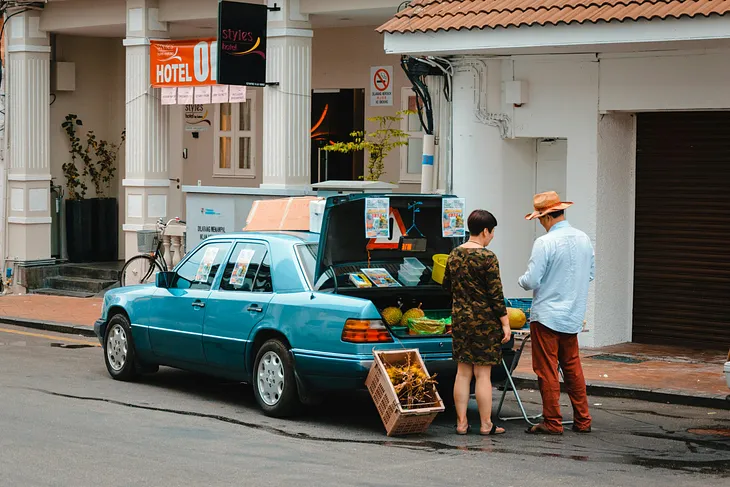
x: 235, y: 138
x: 411, y: 155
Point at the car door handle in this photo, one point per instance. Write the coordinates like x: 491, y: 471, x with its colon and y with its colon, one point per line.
x: 198, y: 304
x: 256, y: 308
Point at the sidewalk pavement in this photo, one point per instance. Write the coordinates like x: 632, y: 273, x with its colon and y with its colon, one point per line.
x: 654, y: 373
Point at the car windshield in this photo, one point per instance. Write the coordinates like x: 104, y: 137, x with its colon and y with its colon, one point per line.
x: 308, y: 257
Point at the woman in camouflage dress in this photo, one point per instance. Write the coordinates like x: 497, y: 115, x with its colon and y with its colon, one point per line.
x: 479, y: 319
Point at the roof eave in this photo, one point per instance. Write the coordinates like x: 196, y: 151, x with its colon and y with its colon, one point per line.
x: 515, y: 40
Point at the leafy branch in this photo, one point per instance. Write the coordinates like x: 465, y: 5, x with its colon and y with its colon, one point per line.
x: 378, y: 143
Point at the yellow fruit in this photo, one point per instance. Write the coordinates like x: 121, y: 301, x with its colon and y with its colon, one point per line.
x: 412, y: 314
x: 517, y: 318
x: 392, y: 315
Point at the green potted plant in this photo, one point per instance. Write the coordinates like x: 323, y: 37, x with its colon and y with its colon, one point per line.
x: 92, y: 225
x: 378, y: 143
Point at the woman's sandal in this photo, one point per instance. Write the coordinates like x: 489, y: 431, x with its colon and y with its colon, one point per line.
x: 493, y: 431
x: 462, y: 433
x: 541, y: 429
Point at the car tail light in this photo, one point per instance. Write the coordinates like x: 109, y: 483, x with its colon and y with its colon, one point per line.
x: 365, y: 331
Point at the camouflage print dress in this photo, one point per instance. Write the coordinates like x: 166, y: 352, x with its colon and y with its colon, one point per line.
x: 472, y: 277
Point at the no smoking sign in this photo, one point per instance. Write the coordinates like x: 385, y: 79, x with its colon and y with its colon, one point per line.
x: 381, y: 86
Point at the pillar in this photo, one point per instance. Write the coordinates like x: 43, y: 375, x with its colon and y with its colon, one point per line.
x: 146, y: 181
x: 288, y: 106
x: 27, y: 128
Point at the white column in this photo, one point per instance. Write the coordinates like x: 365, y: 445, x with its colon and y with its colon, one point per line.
x: 288, y: 106
x: 27, y: 128
x: 146, y: 180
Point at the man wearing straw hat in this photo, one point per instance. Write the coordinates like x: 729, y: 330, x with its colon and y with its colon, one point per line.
x: 559, y: 272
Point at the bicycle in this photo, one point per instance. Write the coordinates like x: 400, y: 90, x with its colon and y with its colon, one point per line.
x: 142, y: 268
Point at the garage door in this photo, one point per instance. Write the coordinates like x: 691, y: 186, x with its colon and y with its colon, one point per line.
x: 682, y: 248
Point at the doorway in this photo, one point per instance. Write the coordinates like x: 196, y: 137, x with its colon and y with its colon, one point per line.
x: 335, y: 114
x: 551, y: 171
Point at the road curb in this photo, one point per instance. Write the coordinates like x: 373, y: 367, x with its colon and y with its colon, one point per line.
x: 660, y: 396
x: 70, y: 329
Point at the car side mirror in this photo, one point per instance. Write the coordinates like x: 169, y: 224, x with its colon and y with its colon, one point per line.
x: 165, y: 279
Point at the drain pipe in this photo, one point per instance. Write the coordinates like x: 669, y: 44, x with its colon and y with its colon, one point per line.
x: 429, y: 148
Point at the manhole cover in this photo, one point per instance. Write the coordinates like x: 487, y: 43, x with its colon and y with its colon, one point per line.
x: 618, y: 358
x: 710, y: 431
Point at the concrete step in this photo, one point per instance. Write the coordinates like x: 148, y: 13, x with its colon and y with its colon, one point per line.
x: 46, y: 291
x: 82, y: 284
x: 90, y: 272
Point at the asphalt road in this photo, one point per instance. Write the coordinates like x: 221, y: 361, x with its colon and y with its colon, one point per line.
x: 64, y: 422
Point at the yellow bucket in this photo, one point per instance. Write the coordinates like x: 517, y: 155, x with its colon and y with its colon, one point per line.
x: 439, y: 267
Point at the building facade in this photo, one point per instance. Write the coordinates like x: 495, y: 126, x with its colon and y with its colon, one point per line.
x: 622, y: 109
x: 91, y: 59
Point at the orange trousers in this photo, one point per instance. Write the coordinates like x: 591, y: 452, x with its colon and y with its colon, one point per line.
x: 550, y: 349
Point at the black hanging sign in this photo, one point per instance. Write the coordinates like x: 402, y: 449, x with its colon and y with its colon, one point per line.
x: 241, y: 44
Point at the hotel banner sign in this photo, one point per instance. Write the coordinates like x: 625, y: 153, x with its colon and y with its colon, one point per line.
x: 186, y: 63
x: 242, y: 43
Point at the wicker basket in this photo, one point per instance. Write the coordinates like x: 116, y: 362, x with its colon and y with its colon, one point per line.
x: 399, y: 421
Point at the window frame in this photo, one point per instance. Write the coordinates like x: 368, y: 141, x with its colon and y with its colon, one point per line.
x: 405, y: 176
x: 216, y: 278
x: 235, y: 134
x: 267, y: 253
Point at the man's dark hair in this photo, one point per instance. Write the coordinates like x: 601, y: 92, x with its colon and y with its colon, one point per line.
x: 556, y: 214
x: 479, y: 220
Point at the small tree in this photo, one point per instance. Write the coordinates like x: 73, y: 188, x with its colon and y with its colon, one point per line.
x: 378, y: 143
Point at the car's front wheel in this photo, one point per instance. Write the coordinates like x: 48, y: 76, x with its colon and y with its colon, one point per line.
x: 119, y: 353
x: 274, y: 382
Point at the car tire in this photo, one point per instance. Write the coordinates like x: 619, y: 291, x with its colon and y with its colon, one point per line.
x: 119, y: 353
x: 274, y: 381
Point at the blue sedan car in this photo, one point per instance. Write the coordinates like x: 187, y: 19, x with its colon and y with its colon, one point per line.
x: 279, y: 309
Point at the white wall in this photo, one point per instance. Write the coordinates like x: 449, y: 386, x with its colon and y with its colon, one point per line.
x: 491, y: 173
x: 614, y: 239
x: 665, y: 81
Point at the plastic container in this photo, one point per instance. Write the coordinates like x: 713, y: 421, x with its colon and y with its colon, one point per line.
x: 414, y: 264
x: 439, y: 267
x: 408, y: 281
x: 409, y: 274
x: 396, y: 419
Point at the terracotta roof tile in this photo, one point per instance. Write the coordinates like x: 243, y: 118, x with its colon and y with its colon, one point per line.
x: 435, y: 15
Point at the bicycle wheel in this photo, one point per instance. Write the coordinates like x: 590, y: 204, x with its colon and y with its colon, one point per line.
x: 140, y: 269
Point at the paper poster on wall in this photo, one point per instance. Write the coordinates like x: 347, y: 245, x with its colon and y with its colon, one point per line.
x: 185, y: 95
x: 237, y: 94
x: 220, y: 94
x: 452, y: 217
x: 169, y: 96
x: 381, y: 86
x: 376, y: 217
x: 202, y: 95
x: 206, y: 265
x: 239, y: 271
x: 196, y: 118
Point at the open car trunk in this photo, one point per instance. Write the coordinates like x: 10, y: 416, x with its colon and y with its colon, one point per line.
x: 344, y: 251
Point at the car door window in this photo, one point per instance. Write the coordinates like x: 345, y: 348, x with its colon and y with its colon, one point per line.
x: 263, y: 283
x: 199, y: 271
x: 243, y: 266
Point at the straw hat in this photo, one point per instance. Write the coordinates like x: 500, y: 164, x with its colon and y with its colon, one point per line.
x: 545, y: 203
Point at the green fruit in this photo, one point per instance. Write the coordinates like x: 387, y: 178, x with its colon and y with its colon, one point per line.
x: 412, y: 314
x: 392, y: 315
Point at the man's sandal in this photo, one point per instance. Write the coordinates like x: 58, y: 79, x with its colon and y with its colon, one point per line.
x: 541, y: 429
x: 493, y: 431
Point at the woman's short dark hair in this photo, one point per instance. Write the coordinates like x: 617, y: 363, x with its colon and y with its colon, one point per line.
x: 479, y: 220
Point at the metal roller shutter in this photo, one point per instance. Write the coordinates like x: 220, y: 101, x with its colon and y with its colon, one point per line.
x: 682, y: 247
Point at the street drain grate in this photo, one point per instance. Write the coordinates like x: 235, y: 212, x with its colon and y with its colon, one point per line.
x: 710, y: 431
x: 618, y: 358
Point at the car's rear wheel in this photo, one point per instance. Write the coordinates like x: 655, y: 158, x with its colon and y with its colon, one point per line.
x: 274, y: 382
x: 119, y: 353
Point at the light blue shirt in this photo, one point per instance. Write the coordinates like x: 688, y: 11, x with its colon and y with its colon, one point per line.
x: 560, y: 269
